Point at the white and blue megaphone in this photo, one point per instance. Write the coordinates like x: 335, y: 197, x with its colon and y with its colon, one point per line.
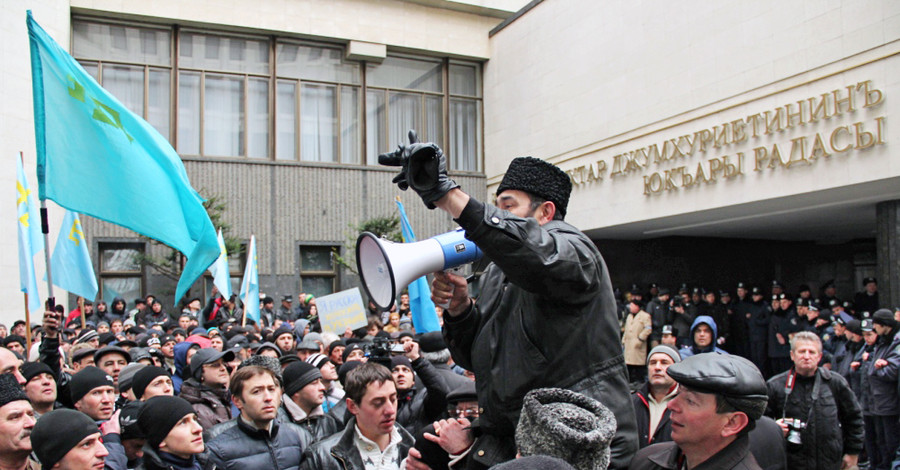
x: 386, y: 268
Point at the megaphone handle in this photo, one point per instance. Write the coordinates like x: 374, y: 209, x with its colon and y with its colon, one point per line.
x: 459, y: 271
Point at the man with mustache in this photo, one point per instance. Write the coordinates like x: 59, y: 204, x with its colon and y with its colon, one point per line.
x: 16, y: 423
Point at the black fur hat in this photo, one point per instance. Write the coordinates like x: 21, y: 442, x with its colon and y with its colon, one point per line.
x: 540, y: 178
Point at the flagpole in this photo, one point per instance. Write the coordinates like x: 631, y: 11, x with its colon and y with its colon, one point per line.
x: 27, y: 328
x: 81, y: 310
x: 45, y: 229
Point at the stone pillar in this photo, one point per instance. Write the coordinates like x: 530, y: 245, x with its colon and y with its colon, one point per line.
x: 887, y: 248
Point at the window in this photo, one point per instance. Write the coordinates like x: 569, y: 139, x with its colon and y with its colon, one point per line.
x: 318, y: 271
x: 282, y: 99
x: 121, y: 274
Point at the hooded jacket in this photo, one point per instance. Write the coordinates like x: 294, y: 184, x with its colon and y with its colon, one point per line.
x: 687, y: 352
x: 181, y: 366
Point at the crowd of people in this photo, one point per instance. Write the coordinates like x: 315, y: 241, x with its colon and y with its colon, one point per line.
x: 548, y: 368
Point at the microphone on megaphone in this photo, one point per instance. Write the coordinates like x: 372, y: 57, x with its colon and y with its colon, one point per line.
x: 386, y: 268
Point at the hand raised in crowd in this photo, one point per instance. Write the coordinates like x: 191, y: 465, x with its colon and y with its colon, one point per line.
x: 453, y: 435
x: 111, y: 426
x: 411, y: 350
x: 50, y: 324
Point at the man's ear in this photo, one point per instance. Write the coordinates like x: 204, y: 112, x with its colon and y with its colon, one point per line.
x: 736, y: 422
x: 238, y: 402
x: 545, y: 212
x: 351, y: 407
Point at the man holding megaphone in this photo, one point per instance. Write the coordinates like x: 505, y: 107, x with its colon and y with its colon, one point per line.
x: 546, y: 314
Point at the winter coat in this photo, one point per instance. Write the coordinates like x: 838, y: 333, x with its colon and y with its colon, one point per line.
x: 545, y: 317
x: 638, y: 328
x: 244, y: 447
x: 689, y: 351
x: 425, y: 403
x: 647, y: 436
x: 758, y: 323
x: 153, y: 460
x: 666, y: 455
x: 339, y: 451
x: 883, y: 398
x: 213, y: 406
x: 318, y: 426
x: 661, y: 315
x: 834, y: 426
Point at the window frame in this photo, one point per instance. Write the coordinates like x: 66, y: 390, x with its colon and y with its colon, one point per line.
x: 104, y: 244
x: 334, y: 274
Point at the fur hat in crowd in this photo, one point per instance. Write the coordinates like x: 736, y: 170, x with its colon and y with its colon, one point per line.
x: 539, y: 178
x: 565, y: 424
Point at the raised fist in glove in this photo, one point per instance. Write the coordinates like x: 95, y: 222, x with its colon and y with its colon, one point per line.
x: 423, y: 168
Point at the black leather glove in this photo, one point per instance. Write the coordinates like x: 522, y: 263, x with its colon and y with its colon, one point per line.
x: 423, y: 168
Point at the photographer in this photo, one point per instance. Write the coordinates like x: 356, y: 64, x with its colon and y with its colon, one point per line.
x: 818, y: 413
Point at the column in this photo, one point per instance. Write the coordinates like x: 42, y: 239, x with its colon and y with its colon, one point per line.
x: 887, y: 248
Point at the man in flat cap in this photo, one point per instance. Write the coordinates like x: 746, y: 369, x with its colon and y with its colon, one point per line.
x: 721, y: 396
x: 545, y: 297
x: 818, y: 412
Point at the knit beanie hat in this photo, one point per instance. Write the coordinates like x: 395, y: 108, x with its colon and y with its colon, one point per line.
x: 345, y: 369
x: 128, y: 420
x: 539, y: 178
x: 10, y: 390
x: 282, y: 330
x: 86, y: 380
x: 31, y: 370
x: 667, y: 350
x: 161, y: 414
x: 400, y: 361
x: 57, y: 432
x: 126, y: 375
x: 317, y: 360
x: 297, y: 375
x: 143, y: 377
x: 349, y: 349
x: 885, y: 317
x: 568, y: 425
x: 14, y: 339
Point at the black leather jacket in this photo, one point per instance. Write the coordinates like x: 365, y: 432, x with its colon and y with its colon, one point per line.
x: 834, y: 424
x: 546, y: 317
x: 339, y: 452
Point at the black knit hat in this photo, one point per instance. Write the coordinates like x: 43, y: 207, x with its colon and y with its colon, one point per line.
x: 14, y: 339
x: 565, y: 424
x: 31, y: 370
x: 400, y: 361
x: 297, y: 375
x: 539, y: 178
x: 10, y: 390
x: 57, y: 432
x: 345, y: 369
x: 128, y: 420
x: 432, y: 342
x: 160, y: 415
x: 144, y: 376
x: 885, y: 317
x: 86, y: 380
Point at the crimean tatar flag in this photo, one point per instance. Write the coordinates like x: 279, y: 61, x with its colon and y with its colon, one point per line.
x: 421, y: 307
x: 220, y: 270
x: 250, y: 285
x: 71, y: 261
x: 30, y: 239
x: 84, y: 135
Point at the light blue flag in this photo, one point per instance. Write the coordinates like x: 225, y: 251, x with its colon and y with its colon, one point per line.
x: 83, y: 133
x: 420, y: 305
x: 250, y: 285
x: 30, y: 238
x: 220, y: 270
x: 71, y: 262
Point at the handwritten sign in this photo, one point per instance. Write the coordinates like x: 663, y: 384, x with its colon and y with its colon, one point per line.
x: 341, y: 310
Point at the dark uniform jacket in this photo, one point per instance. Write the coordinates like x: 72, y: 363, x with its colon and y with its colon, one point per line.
x: 546, y: 317
x: 834, y: 422
x: 667, y: 455
x: 243, y: 447
x: 880, y: 385
x: 339, y: 452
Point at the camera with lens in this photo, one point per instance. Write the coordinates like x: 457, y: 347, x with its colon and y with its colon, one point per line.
x: 795, y: 428
x: 381, y: 350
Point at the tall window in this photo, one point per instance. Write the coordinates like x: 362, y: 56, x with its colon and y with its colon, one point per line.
x: 282, y: 99
x: 121, y: 274
x: 318, y: 271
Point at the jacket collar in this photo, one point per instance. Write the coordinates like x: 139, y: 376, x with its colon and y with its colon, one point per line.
x: 667, y: 455
x: 345, y: 449
x: 256, y: 433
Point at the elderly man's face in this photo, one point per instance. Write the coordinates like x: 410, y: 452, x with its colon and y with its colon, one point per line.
x: 656, y: 370
x: 806, y: 356
x: 16, y: 421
